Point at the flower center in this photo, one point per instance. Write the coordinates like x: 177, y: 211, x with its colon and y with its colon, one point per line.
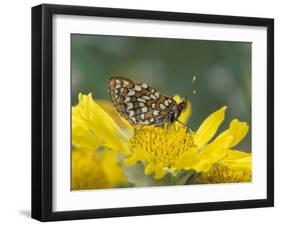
x: 223, y: 174
x: 163, y: 145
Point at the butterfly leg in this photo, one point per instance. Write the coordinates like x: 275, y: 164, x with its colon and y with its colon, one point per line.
x: 182, y: 124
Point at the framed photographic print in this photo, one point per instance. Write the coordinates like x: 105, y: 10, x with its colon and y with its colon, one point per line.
x: 145, y: 112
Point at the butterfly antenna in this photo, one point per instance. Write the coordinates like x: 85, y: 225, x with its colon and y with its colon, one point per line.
x: 193, y: 92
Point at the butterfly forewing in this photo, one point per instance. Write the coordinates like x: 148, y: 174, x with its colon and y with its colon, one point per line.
x: 138, y: 103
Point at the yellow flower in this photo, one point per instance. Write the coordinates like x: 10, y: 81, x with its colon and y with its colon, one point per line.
x: 236, y: 167
x: 171, y: 149
x: 92, y: 127
x: 94, y: 161
x: 92, y: 171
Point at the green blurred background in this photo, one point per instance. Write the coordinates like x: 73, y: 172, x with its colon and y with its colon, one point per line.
x: 223, y: 71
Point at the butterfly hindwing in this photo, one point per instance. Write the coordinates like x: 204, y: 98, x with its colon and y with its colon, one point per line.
x: 138, y: 103
x: 116, y: 88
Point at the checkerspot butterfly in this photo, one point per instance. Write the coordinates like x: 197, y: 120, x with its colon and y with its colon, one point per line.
x: 141, y: 104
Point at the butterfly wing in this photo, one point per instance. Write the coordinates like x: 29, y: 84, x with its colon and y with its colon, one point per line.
x: 116, y: 88
x: 138, y: 103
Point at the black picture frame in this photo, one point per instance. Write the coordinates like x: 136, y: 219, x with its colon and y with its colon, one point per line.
x: 42, y: 107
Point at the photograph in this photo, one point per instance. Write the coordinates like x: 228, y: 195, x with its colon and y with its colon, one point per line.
x: 153, y: 111
x: 141, y: 112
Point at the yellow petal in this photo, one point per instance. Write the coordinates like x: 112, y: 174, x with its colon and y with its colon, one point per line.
x: 159, y: 172
x: 149, y: 169
x: 96, y: 124
x: 110, y: 109
x: 91, y: 170
x: 213, y: 153
x: 157, y: 169
x: 112, y: 168
x: 188, y: 160
x: 209, y: 127
x: 185, y: 115
x: 138, y: 155
x: 82, y: 139
x: 223, y: 174
x: 130, y: 160
x: 238, y: 130
x: 239, y: 160
x: 86, y: 172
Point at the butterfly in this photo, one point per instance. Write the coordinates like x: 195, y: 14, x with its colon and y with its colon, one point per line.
x: 141, y: 104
